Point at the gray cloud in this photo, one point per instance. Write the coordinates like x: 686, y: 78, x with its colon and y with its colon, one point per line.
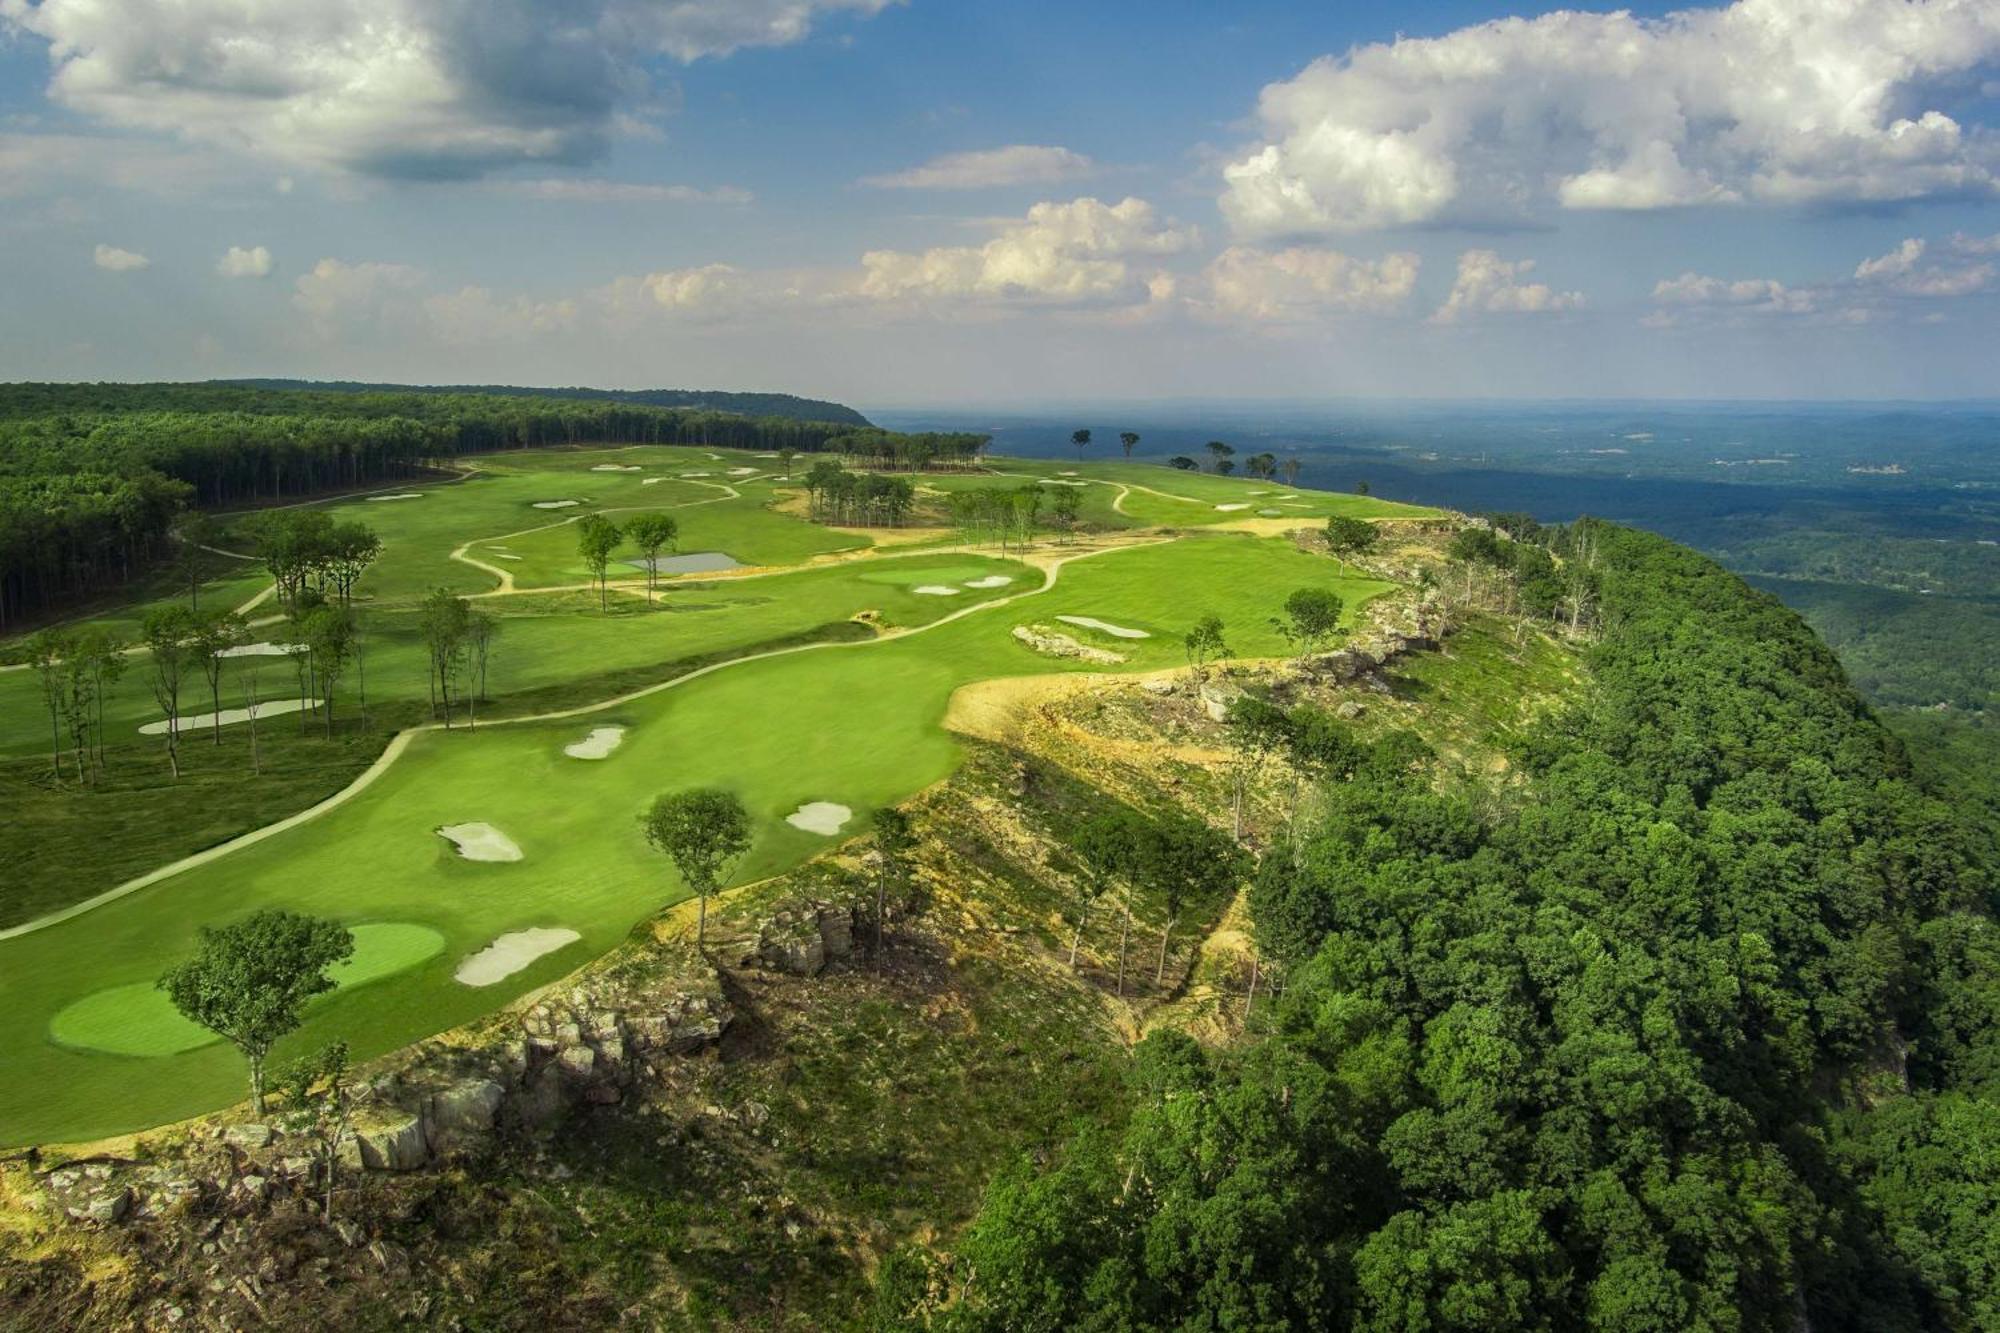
x: 415, y: 89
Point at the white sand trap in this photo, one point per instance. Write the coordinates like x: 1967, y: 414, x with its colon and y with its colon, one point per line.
x: 743, y: 472
x: 1061, y: 481
x: 554, y: 504
x: 510, y: 953
x: 1069, y: 473
x: 934, y: 590
x: 1270, y: 513
x: 229, y: 717
x: 615, y: 467
x: 480, y: 842
x: 716, y: 457
x: 767, y: 455
x: 697, y: 474
x: 1105, y: 627
x: 502, y: 555
x: 600, y: 742
x: 822, y: 817
x: 650, y: 481
x: 406, y: 495
x: 1231, y: 508
x: 262, y: 650
x: 990, y: 581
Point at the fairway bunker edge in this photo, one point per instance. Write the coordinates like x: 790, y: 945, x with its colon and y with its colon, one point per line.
x: 480, y: 841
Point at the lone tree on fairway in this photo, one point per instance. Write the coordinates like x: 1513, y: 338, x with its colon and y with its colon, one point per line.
x: 445, y: 619
x: 596, y: 538
x: 1349, y: 536
x: 652, y: 534
x: 167, y: 630
x: 1079, y: 438
x: 703, y: 830
x: 480, y: 630
x: 1204, y: 644
x: 329, y: 633
x: 249, y: 981
x: 1128, y: 440
x: 1311, y: 619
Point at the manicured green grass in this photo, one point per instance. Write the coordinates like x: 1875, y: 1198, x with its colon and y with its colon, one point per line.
x: 857, y: 724
x: 139, y: 1019
x: 543, y: 640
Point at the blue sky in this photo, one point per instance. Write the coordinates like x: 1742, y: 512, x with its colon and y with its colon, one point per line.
x: 935, y: 202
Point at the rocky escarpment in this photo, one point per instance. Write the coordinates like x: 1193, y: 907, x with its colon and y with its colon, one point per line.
x: 586, y: 1044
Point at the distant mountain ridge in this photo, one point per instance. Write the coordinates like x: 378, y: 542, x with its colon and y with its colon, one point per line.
x: 720, y: 400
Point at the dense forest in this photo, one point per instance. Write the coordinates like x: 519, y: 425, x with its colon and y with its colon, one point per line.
x: 716, y: 400
x: 92, y: 475
x: 1692, y: 1027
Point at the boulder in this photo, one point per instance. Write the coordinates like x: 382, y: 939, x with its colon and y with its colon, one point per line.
x: 466, y: 1108
x: 1350, y: 710
x: 836, y: 932
x: 578, y: 1062
x: 1216, y: 696
x: 394, y: 1145
x: 249, y: 1136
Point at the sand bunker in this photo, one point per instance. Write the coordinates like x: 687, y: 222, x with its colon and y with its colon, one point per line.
x: 697, y: 474
x: 934, y: 590
x: 742, y: 471
x: 1270, y: 513
x: 990, y: 581
x: 406, y: 495
x: 1231, y: 508
x: 502, y: 555
x: 229, y: 717
x: 822, y: 817
x: 600, y: 742
x: 1060, y: 481
x: 510, y: 953
x: 554, y: 504
x: 615, y: 467
x: 653, y: 481
x: 262, y: 650
x: 1105, y: 627
x: 480, y: 842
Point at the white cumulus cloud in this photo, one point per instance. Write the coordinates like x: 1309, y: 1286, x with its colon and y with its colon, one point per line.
x: 1488, y: 284
x: 114, y: 260
x: 1016, y: 164
x: 238, y: 262
x: 1770, y: 101
x: 1304, y: 283
x: 1081, y: 251
x: 410, y: 88
x: 1762, y: 295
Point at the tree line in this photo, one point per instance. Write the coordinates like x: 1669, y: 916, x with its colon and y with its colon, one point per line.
x: 1693, y: 1027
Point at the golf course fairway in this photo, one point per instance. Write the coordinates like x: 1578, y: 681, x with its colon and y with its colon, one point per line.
x: 91, y: 1052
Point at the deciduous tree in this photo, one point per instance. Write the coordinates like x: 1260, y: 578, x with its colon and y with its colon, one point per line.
x: 703, y: 831
x: 249, y: 981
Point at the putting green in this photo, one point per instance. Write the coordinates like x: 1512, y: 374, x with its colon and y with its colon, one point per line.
x: 858, y: 721
x: 139, y: 1019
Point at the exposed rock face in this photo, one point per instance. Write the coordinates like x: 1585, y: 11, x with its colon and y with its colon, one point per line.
x: 806, y: 938
x: 1056, y: 644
